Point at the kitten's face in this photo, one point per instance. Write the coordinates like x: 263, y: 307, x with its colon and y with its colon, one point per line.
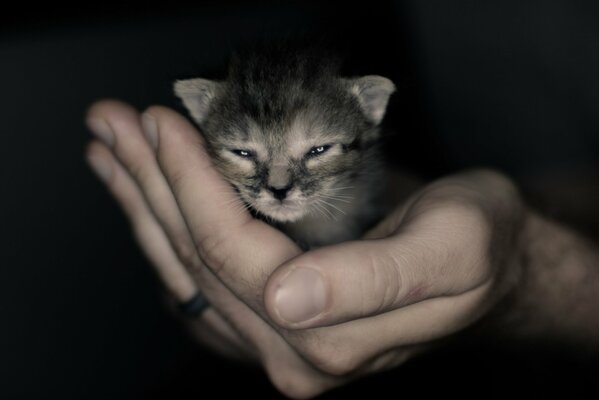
x: 290, y: 147
x: 290, y: 170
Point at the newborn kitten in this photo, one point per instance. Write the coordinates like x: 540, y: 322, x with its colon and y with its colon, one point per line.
x: 297, y: 141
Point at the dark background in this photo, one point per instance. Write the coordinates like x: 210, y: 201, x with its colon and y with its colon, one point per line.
x: 508, y: 84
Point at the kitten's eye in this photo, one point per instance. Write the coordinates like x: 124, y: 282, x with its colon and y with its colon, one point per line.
x: 243, y: 153
x: 318, y: 150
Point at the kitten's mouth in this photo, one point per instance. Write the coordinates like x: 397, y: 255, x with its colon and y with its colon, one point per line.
x: 285, y: 211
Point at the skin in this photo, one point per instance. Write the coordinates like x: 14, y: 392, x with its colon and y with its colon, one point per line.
x: 463, y: 252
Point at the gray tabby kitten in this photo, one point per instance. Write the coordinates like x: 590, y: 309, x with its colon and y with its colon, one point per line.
x: 297, y: 141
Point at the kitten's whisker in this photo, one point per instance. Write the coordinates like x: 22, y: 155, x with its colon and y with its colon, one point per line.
x: 232, y: 204
x: 234, y: 200
x: 342, y: 187
x: 336, y: 193
x: 236, y: 203
x: 228, y: 192
x: 324, y: 207
x: 336, y: 198
x: 325, y: 210
x: 332, y: 205
x: 329, y: 214
x: 239, y: 209
x: 331, y: 199
x: 316, y: 207
x: 237, y: 206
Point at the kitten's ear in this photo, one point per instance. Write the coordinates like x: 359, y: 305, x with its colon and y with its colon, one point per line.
x: 197, y: 94
x: 372, y: 92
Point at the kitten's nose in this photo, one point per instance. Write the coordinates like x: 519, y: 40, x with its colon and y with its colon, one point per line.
x: 279, y: 193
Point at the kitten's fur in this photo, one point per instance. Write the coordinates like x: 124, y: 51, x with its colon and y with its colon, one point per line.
x: 297, y: 141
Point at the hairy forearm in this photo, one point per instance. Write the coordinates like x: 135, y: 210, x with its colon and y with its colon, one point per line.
x: 556, y: 298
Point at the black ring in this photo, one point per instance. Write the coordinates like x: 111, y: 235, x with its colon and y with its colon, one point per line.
x: 195, y: 306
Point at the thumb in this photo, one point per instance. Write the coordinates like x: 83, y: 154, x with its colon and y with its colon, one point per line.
x: 363, y: 278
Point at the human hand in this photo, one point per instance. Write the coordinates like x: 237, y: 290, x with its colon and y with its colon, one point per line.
x: 319, y: 319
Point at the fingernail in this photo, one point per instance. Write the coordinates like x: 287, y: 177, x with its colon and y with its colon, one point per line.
x: 150, y: 127
x: 102, y: 130
x: 301, y: 295
x: 101, y: 167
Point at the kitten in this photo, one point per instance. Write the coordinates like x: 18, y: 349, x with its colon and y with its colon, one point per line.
x: 298, y: 142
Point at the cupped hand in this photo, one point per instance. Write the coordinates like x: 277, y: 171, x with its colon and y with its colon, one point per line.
x: 318, y: 319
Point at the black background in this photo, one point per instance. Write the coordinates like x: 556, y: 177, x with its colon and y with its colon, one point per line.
x: 508, y: 84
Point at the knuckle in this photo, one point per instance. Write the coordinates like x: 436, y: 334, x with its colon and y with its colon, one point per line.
x: 387, y: 360
x: 462, y: 222
x: 137, y: 171
x: 392, y: 278
x: 176, y: 176
x: 472, y: 228
x: 292, y: 380
x: 387, y: 281
x: 465, y: 248
x: 500, y: 182
x: 337, y: 366
x: 186, y: 252
x: 329, y: 355
x: 212, y: 249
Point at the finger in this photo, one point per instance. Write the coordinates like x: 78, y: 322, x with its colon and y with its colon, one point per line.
x: 211, y: 328
x: 441, y: 252
x: 119, y: 127
x: 240, y: 250
x: 152, y: 239
x: 215, y: 332
x: 176, y: 278
x: 346, y: 348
